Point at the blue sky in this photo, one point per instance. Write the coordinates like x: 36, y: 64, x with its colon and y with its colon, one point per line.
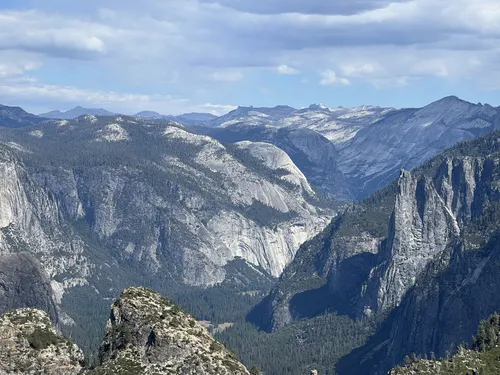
x: 180, y: 56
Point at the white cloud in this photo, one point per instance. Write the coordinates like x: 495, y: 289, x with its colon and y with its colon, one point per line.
x: 34, y: 31
x: 287, y: 70
x: 127, y: 103
x: 358, y: 70
x: 190, y: 46
x: 330, y: 78
x: 214, y: 109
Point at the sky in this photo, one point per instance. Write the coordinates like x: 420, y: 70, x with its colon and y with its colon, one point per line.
x: 177, y: 56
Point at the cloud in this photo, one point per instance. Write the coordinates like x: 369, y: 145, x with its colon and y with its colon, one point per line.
x: 357, y: 70
x: 344, y: 7
x: 330, y: 78
x: 32, y: 93
x: 287, y: 70
x: 195, y: 48
x: 33, y: 31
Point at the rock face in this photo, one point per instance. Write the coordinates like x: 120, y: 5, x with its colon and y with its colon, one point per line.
x: 147, y: 334
x: 29, y: 345
x: 315, y: 156
x: 423, y: 252
x: 105, y: 203
x: 23, y: 283
x: 409, y: 137
x: 31, y: 220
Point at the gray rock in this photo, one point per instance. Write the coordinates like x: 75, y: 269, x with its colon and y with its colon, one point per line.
x: 23, y: 283
x: 150, y: 334
x: 30, y: 345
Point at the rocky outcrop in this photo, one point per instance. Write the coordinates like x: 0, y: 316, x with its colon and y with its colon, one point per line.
x: 23, y: 283
x: 30, y: 344
x: 147, y: 334
x: 430, y: 269
x: 315, y: 156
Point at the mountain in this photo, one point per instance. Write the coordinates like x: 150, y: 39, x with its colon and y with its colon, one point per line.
x: 337, y: 124
x: 146, y: 334
x: 374, y: 143
x: 76, y: 112
x: 105, y: 203
x: 407, y: 138
x: 422, y: 255
x: 149, y: 115
x: 312, y: 153
x: 185, y: 119
x: 15, y: 117
x: 195, y: 118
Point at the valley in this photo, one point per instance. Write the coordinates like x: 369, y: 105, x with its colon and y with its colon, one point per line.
x: 261, y: 229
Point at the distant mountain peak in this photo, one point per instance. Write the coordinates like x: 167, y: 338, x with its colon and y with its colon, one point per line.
x: 317, y: 107
x: 77, y: 112
x: 16, y: 117
x: 449, y: 99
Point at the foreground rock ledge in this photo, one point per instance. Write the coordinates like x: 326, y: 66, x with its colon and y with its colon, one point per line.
x: 29, y: 344
x: 145, y: 335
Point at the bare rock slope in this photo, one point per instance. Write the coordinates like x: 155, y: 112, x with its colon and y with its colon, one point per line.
x: 147, y: 334
x: 30, y: 344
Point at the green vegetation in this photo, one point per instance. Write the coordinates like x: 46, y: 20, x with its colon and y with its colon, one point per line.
x: 482, y: 359
x: 294, y: 350
x: 488, y: 334
x: 42, y: 338
x: 265, y: 215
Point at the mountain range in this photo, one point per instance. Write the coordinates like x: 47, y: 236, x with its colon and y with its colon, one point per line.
x: 76, y: 112
x: 371, y: 232
x: 186, y: 119
x: 105, y: 202
x: 373, y: 143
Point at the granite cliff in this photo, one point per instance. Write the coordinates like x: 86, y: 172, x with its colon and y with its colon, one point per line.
x: 421, y: 254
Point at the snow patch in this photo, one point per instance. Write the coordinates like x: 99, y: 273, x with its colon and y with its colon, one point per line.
x: 36, y: 133
x: 62, y: 123
x: 113, y: 133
